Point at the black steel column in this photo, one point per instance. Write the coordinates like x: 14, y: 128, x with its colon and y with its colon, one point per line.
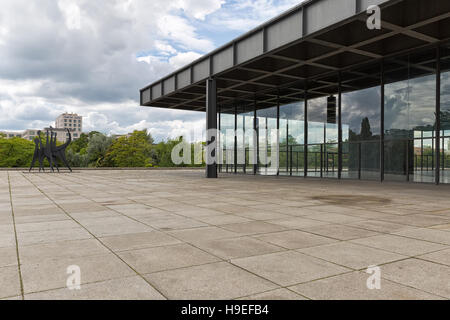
x: 235, y: 140
x: 438, y: 115
x: 211, y: 124
x: 382, y: 123
x: 243, y: 139
x: 278, y: 135
x: 219, y: 141
x: 287, y: 146
x: 305, y: 151
x: 255, y: 140
x: 339, y: 128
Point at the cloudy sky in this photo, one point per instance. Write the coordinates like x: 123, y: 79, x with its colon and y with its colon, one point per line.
x: 92, y: 57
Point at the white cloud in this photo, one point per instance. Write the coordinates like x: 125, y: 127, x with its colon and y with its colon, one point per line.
x: 71, y: 13
x: 183, y: 58
x: 180, y: 31
x: 243, y: 15
x: 80, y: 56
x: 200, y: 9
x: 164, y: 48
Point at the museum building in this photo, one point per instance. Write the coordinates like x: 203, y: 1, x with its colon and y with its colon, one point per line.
x: 349, y: 100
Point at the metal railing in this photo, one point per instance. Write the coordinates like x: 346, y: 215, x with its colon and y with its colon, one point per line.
x: 402, y: 157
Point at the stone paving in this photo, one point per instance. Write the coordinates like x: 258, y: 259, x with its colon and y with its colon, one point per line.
x: 175, y: 235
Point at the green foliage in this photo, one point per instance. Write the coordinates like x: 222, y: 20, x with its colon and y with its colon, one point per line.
x: 98, y: 150
x: 79, y: 145
x: 132, y: 151
x: 16, y: 152
x: 97, y: 147
x: 77, y: 160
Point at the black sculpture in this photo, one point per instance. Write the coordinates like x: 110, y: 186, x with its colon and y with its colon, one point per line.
x: 50, y: 151
x: 38, y: 153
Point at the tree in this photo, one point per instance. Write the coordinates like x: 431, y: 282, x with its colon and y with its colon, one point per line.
x: 366, y: 132
x: 132, y: 151
x: 77, y: 160
x: 16, y: 152
x: 97, y: 147
x: 79, y: 145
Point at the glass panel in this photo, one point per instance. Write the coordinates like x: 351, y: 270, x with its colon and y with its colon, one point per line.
x: 323, y: 137
x: 360, y: 129
x: 240, y: 139
x: 410, y: 107
x: 250, y: 148
x: 266, y: 128
x: 292, y: 127
x: 361, y: 123
x: 330, y: 160
x: 227, y: 139
x: 315, y: 160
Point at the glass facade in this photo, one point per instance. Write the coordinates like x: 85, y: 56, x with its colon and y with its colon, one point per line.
x: 445, y: 115
x: 375, y: 122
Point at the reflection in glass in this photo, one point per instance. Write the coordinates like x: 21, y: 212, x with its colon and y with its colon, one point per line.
x: 361, y: 120
x: 226, y: 140
x: 445, y: 115
x: 410, y: 107
x: 266, y: 126
x: 245, y: 139
x: 292, y: 127
x: 322, y: 137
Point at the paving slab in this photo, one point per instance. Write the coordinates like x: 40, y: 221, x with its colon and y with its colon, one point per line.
x: 8, y: 256
x: 422, y: 275
x: 48, y: 236
x: 70, y: 249
x: 199, y: 234
x: 380, y: 226
x: 340, y: 232
x: 295, y: 239
x: 289, y: 268
x: 9, y: 282
x: 222, y: 219
x: 131, y: 288
x: 277, y: 294
x: 133, y: 241
x: 353, y: 286
x: 442, y: 257
x: 237, y: 247
x: 254, y: 227
x: 165, y: 258
x: 352, y: 255
x: 401, y: 245
x: 203, y: 282
x: 432, y: 235
x: 52, y: 274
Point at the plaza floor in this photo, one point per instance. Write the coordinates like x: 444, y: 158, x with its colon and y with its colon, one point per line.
x: 176, y: 235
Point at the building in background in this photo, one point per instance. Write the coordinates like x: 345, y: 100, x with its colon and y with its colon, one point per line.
x: 11, y: 134
x: 71, y: 121
x: 29, y: 134
x: 61, y: 134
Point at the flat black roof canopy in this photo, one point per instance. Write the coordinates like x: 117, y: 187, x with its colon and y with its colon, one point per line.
x: 309, y: 43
